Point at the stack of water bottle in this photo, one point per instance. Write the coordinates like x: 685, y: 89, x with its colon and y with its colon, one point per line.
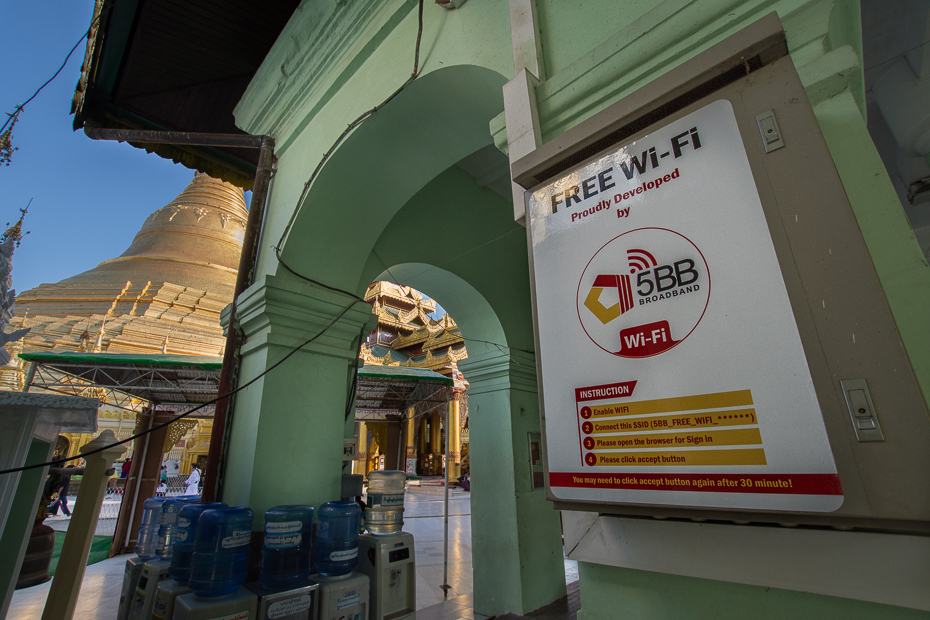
x: 196, y: 557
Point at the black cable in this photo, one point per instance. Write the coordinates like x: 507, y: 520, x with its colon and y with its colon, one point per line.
x: 356, y: 298
x: 316, y: 171
x: 187, y: 413
x: 20, y: 107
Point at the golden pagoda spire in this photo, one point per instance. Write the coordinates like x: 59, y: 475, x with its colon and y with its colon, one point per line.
x: 98, y: 344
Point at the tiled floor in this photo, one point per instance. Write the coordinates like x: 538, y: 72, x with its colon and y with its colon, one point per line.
x: 99, y: 598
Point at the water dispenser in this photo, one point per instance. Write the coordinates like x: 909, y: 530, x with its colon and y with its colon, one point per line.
x: 337, y: 538
x: 385, y: 512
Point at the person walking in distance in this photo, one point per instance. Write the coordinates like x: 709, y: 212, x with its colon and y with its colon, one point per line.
x: 193, y: 482
x: 61, y: 487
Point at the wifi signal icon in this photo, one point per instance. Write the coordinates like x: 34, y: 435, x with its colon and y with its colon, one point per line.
x: 640, y: 260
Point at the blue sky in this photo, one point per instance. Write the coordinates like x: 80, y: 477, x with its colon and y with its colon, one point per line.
x: 89, y: 198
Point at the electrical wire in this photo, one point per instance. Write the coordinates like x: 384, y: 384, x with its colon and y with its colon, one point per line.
x: 187, y: 413
x: 20, y: 107
x: 348, y: 130
x: 356, y: 299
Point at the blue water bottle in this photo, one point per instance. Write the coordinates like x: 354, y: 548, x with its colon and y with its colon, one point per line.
x: 147, y: 539
x: 168, y: 525
x: 180, y: 569
x: 221, y: 551
x: 337, y: 538
x: 286, y: 551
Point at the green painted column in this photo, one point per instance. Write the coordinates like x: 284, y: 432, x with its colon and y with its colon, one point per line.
x: 516, y: 535
x: 611, y: 593
x: 287, y: 431
x: 899, y: 263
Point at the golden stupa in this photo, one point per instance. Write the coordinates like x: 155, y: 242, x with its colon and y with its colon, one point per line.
x: 162, y: 295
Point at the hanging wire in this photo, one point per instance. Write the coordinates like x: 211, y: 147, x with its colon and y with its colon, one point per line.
x: 12, y: 118
x: 197, y: 408
x: 348, y: 130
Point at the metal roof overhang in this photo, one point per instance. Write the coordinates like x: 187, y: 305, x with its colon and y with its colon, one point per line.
x: 178, y: 66
x: 178, y: 379
x: 387, y: 392
x: 382, y: 392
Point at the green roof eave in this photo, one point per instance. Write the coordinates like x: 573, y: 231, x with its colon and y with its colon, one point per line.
x: 133, y: 359
x: 400, y: 372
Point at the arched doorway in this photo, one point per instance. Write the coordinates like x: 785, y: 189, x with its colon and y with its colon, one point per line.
x: 397, y: 202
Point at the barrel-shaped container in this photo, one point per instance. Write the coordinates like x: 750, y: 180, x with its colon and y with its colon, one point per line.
x: 286, y: 551
x: 147, y: 538
x: 221, y: 551
x: 168, y: 525
x: 180, y: 569
x: 385, y: 512
x: 336, y: 546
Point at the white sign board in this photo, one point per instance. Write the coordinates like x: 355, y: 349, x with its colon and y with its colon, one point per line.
x: 672, y: 368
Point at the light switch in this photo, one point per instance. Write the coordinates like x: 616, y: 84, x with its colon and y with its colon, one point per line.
x: 861, y: 411
x: 768, y: 128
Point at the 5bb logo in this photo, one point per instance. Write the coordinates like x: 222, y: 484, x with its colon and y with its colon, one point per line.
x: 643, y: 292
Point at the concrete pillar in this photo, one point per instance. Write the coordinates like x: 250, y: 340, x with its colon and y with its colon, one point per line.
x: 455, y: 443
x: 286, y: 439
x: 435, y: 443
x: 66, y: 585
x: 516, y: 535
x: 410, y: 464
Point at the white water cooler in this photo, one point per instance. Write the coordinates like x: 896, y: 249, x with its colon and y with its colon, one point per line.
x: 168, y: 591
x: 294, y: 604
x: 130, y: 581
x: 388, y: 561
x: 241, y: 605
x: 344, y: 597
x: 143, y: 598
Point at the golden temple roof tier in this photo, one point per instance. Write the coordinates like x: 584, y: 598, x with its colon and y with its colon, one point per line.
x: 194, y: 241
x: 406, y: 294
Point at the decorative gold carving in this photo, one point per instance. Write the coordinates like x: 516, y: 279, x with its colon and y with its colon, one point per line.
x: 176, y: 432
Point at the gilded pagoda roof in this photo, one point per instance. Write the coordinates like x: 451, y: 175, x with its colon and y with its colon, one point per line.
x: 164, y: 294
x: 400, y: 293
x: 383, y: 356
x: 421, y: 342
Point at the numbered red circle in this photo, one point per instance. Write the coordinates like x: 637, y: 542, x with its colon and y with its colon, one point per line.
x: 590, y: 458
x: 586, y: 412
x: 587, y: 427
x: 589, y: 443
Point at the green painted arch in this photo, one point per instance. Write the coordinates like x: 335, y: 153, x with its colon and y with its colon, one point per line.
x: 472, y: 312
x: 435, y: 122
x: 455, y: 227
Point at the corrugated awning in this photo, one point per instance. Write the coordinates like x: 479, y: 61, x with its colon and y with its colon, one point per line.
x: 382, y: 392
x: 386, y: 392
x: 155, y: 378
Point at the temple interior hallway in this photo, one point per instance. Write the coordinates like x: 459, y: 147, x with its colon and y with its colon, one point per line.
x: 99, y: 599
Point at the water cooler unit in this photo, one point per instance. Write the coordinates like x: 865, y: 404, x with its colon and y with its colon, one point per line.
x: 388, y: 561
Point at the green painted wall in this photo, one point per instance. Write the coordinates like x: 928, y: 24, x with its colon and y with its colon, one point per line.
x: 901, y: 266
x: 390, y: 200
x: 610, y: 593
